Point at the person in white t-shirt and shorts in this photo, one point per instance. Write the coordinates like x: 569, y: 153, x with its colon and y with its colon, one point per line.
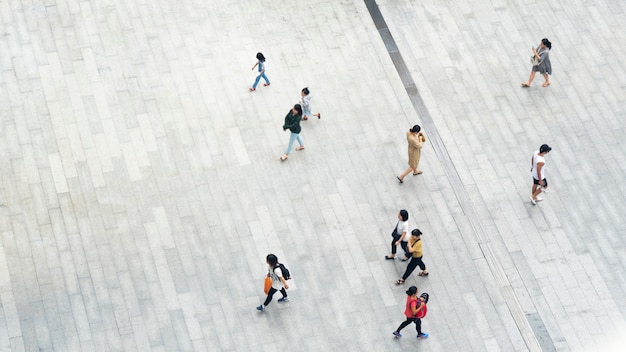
x: 538, y: 169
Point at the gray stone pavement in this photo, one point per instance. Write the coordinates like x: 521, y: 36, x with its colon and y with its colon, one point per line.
x: 140, y: 185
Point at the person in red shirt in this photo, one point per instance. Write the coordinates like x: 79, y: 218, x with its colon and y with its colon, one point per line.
x: 414, y: 311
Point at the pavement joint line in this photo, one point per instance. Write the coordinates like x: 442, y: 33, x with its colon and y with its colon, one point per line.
x: 461, y: 193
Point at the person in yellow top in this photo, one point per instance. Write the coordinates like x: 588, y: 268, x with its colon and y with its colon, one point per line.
x: 415, y: 138
x: 415, y: 248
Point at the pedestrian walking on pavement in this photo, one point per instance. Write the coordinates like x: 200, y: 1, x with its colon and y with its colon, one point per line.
x: 415, y: 248
x: 278, y: 282
x: 305, y: 100
x: 261, y: 69
x: 292, y: 123
x: 415, y: 138
x: 414, y: 311
x: 399, y: 236
x: 541, y: 63
x: 538, y: 169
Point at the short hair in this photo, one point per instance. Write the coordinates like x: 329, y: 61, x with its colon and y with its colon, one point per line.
x: 416, y: 129
x: 416, y: 232
x: 305, y: 90
x: 544, y: 148
x: 404, y: 215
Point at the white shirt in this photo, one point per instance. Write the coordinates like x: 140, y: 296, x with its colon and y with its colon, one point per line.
x: 536, y: 160
x: 403, y: 226
x: 275, y: 275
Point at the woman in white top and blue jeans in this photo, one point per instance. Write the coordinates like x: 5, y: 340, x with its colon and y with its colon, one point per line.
x: 261, y: 65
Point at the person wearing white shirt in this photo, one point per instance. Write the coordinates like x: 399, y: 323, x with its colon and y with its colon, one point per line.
x: 538, y: 170
x: 400, y: 236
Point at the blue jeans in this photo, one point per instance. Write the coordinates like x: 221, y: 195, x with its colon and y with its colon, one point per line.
x: 292, y: 139
x: 258, y: 78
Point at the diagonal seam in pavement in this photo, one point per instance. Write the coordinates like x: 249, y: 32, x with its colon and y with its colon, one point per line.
x: 461, y: 193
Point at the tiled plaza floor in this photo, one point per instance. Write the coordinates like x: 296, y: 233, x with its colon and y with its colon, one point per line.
x: 140, y: 186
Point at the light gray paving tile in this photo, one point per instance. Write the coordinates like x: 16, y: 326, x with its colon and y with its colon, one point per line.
x: 58, y: 173
x: 10, y: 310
x: 164, y: 276
x: 81, y: 321
x: 452, y: 84
x: 40, y: 324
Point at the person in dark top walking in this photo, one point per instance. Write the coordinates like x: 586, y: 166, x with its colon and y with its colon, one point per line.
x: 292, y: 123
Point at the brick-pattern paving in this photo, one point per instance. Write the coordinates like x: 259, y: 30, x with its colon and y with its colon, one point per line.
x: 140, y: 187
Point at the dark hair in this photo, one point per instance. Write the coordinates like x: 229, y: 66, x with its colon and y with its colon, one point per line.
x: 411, y: 291
x: 404, y: 215
x: 544, y: 148
x: 547, y: 43
x: 305, y: 90
x: 260, y: 57
x: 415, y: 129
x: 272, y: 260
x: 298, y: 108
x: 416, y: 232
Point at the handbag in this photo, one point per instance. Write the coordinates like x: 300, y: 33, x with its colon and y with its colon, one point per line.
x: 395, y: 231
x: 534, y: 60
x: 267, y: 285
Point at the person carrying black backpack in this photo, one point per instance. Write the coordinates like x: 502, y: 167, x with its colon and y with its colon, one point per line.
x: 279, y: 274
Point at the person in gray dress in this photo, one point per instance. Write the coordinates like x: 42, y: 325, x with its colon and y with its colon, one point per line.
x: 542, y: 59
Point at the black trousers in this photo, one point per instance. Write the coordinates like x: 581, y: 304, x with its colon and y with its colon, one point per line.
x: 417, y: 321
x: 271, y: 294
x: 412, y: 265
x: 404, y: 245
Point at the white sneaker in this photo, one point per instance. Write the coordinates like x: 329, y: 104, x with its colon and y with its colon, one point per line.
x: 532, y: 200
x: 539, y: 199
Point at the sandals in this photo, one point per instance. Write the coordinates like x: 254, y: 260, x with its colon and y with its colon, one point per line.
x: 423, y: 274
x: 545, y: 84
x: 283, y: 158
x: 525, y: 85
x: 405, y: 259
x: 399, y: 282
x: 389, y: 258
x: 418, y: 173
x: 305, y: 117
x: 300, y: 147
x: 399, y: 179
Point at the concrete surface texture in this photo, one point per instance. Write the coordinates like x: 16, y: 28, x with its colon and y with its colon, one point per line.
x: 141, y: 190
